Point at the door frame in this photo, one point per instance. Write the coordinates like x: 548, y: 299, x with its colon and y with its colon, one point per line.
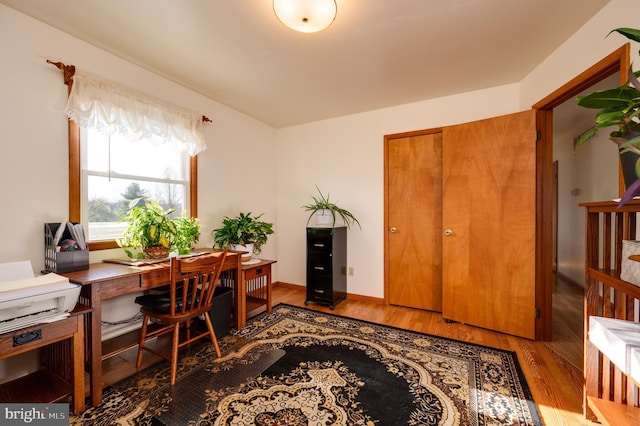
x: 617, y: 61
x: 554, y: 262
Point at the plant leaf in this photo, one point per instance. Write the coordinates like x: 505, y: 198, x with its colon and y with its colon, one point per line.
x: 630, y: 142
x: 633, y: 79
x: 619, y: 97
x: 585, y: 137
x: 632, y: 191
x: 630, y: 33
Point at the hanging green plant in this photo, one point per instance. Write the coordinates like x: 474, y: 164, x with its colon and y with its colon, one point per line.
x: 619, y: 108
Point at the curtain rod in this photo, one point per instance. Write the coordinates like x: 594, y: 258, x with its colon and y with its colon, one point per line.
x: 70, y: 70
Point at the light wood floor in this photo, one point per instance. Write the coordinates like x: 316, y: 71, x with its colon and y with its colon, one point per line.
x: 553, y: 369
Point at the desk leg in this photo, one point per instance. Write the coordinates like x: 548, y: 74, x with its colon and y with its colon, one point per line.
x: 78, y: 367
x: 268, y: 274
x: 241, y: 297
x: 94, y: 338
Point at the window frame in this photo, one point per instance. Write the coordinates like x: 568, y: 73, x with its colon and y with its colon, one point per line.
x: 75, y: 186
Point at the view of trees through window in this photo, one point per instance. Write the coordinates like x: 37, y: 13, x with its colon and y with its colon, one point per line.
x: 116, y: 171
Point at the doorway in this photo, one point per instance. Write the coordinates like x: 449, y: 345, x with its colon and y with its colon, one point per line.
x: 616, y: 62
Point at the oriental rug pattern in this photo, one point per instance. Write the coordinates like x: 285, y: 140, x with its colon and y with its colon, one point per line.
x: 301, y: 367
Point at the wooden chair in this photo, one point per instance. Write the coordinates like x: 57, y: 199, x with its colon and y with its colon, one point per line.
x: 193, y: 281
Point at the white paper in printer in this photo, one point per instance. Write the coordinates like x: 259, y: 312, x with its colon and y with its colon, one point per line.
x: 27, y: 300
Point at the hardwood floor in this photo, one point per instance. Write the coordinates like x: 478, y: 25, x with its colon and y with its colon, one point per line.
x: 553, y: 369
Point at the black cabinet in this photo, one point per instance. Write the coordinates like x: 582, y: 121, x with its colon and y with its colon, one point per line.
x: 326, y: 265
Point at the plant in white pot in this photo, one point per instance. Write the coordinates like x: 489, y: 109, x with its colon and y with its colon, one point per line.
x: 243, y: 233
x: 326, y: 211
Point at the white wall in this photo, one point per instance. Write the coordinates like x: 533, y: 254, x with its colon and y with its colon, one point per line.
x: 591, y: 171
x: 344, y: 156
x: 586, y: 47
x: 236, y: 173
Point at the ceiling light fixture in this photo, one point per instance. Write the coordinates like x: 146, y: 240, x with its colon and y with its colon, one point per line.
x: 306, y: 16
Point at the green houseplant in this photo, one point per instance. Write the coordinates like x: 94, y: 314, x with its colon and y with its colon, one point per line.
x: 150, y: 229
x: 322, y: 206
x: 619, y: 108
x: 243, y: 230
x: 187, y: 233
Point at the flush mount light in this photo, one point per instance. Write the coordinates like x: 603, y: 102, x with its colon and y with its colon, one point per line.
x: 306, y: 16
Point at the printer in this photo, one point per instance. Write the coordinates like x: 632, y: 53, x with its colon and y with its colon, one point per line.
x: 27, y: 300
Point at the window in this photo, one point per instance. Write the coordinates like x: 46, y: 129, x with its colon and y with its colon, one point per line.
x: 104, y: 171
x: 141, y: 168
x: 116, y: 171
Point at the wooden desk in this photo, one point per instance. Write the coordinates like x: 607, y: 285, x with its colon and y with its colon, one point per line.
x: 60, y: 379
x: 108, y: 280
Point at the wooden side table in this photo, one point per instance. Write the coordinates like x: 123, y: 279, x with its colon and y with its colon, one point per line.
x: 256, y: 281
x: 62, y: 346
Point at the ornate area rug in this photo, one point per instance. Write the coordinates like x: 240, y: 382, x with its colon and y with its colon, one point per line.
x: 299, y: 367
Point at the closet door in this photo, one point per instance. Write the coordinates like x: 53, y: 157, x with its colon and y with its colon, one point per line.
x: 489, y: 179
x: 413, y: 176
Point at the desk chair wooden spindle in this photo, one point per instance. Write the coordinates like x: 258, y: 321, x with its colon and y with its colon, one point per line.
x: 193, y: 281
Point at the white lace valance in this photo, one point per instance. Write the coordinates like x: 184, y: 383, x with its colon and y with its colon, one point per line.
x: 111, y: 108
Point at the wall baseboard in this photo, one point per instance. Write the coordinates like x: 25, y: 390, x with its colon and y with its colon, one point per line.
x: 351, y: 296
x: 569, y: 280
x: 289, y: 285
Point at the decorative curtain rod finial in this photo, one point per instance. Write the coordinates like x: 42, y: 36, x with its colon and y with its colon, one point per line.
x: 69, y: 71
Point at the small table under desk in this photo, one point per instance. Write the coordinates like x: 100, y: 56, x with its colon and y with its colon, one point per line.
x: 108, y: 280
x: 62, y: 352
x: 256, y: 282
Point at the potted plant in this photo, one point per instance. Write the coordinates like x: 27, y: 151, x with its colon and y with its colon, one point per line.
x: 243, y: 232
x: 326, y: 211
x: 187, y: 233
x: 620, y: 108
x: 150, y: 229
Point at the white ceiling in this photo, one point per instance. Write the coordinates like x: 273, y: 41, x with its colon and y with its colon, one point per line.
x: 377, y: 53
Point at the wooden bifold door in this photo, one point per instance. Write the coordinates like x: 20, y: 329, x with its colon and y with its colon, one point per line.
x: 415, y: 217
x: 460, y: 218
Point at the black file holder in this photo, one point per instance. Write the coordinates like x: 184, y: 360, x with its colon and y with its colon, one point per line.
x: 62, y: 261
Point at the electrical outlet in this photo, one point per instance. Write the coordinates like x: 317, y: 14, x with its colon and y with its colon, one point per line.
x: 351, y: 271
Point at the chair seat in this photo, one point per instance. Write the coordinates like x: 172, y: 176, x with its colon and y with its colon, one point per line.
x: 158, y: 303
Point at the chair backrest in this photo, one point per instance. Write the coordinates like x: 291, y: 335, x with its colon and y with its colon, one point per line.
x: 193, y: 282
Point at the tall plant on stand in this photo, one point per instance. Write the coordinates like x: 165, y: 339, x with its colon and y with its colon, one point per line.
x: 620, y: 108
x: 327, y: 210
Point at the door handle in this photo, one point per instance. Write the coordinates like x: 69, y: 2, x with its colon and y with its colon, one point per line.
x: 393, y: 230
x: 448, y: 232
